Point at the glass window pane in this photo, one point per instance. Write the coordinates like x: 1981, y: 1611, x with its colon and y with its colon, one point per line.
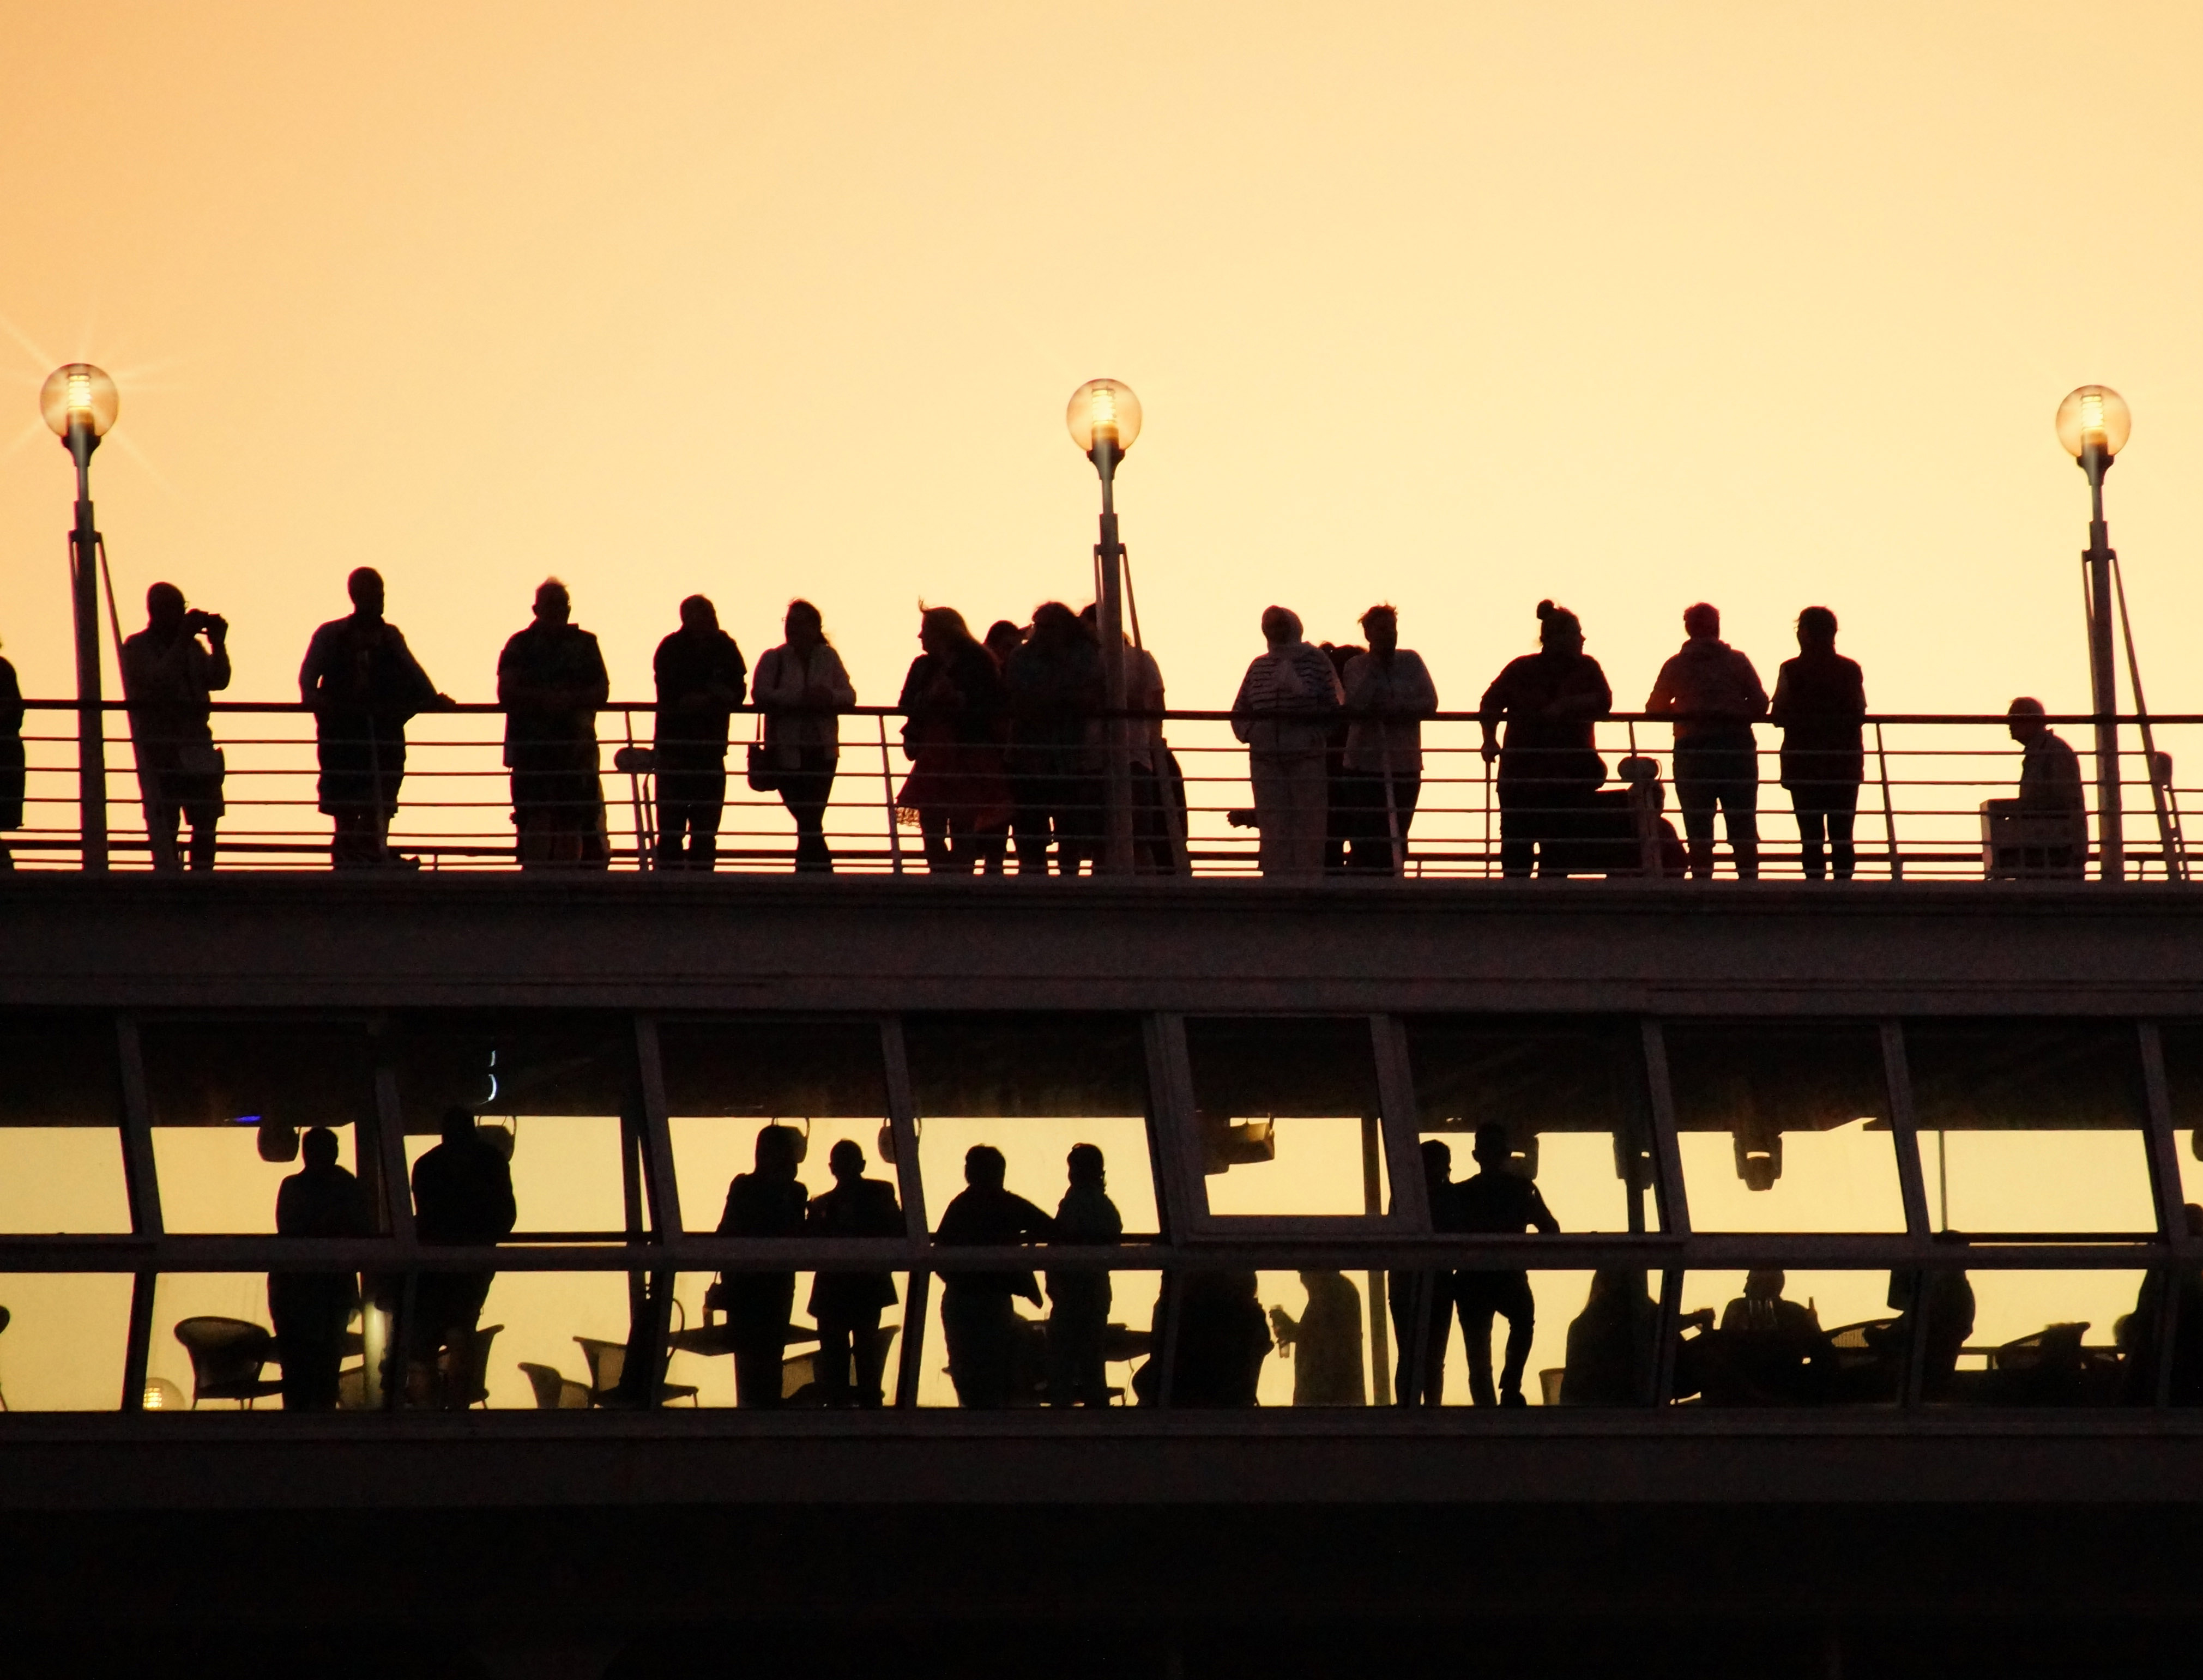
x: 2031, y: 1126
x: 229, y: 1100
x: 2051, y: 1338
x: 61, y: 1141
x: 1288, y: 1114
x: 725, y: 1079
x: 1570, y: 1095
x: 548, y: 1090
x: 66, y: 1338
x: 1784, y: 1129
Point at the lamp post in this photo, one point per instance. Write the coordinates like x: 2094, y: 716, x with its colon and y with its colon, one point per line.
x: 1104, y: 417
x: 80, y: 403
x: 2092, y: 424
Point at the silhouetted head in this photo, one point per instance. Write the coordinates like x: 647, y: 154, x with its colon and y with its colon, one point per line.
x: 1559, y: 630
x: 1086, y: 1166
x: 1053, y: 625
x: 1381, y: 625
x: 364, y: 585
x: 554, y: 605
x: 846, y: 1160
x: 776, y: 1151
x: 164, y: 608
x: 985, y: 1168
x: 941, y: 630
x: 1002, y: 639
x: 1763, y: 1285
x: 1438, y: 1162
x: 1702, y: 620
x: 1281, y: 626
x: 319, y: 1148
x: 2023, y: 718
x: 804, y: 625
x: 698, y: 617
x: 1610, y: 1285
x: 459, y: 1127
x: 1494, y: 1150
x: 1816, y: 628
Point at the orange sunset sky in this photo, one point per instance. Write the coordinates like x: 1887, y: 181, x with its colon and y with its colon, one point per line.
x: 1455, y: 305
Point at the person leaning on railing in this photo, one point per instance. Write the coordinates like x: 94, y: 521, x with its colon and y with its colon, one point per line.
x: 700, y: 677
x: 363, y: 683
x: 1549, y: 766
x: 550, y: 679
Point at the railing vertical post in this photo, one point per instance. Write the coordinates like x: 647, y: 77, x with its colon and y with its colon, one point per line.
x: 1889, y: 813
x: 887, y: 796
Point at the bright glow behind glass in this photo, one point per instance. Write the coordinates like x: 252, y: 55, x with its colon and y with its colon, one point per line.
x: 1103, y: 410
x: 2094, y: 414
x: 79, y: 390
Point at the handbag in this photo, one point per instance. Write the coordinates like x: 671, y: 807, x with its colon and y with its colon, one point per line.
x: 765, y: 771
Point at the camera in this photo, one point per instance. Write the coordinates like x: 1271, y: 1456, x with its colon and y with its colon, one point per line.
x: 197, y: 623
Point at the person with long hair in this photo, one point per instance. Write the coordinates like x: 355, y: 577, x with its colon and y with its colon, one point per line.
x: 953, y: 708
x: 802, y: 685
x: 1549, y: 765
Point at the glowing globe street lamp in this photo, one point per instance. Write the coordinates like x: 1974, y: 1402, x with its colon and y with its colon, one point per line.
x: 80, y: 403
x: 1104, y: 418
x: 2093, y: 424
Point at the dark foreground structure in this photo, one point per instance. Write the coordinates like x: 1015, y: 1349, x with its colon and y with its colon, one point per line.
x: 1889, y: 1096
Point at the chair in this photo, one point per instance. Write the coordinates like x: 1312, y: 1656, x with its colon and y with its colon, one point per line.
x: 555, y: 1391
x: 227, y: 1355
x: 478, y: 1393
x: 2043, y: 1369
x: 608, y: 1363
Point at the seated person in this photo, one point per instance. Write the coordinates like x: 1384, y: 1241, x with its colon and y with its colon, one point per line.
x: 1611, y: 1341
x: 1222, y: 1341
x: 1768, y: 1350
x: 1947, y: 1298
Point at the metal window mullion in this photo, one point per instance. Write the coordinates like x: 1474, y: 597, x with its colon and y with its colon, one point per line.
x: 1396, y: 1103
x: 1183, y: 1198
x: 142, y: 1187
x: 660, y: 1171
x: 910, y: 1184
x: 1667, y: 1153
x: 2171, y: 1210
x: 1912, y: 1188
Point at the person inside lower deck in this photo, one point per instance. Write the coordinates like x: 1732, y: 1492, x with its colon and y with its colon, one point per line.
x: 1325, y: 1342
x: 767, y: 1202
x: 846, y: 1306
x: 1549, y: 766
x: 1611, y: 1341
x: 1222, y: 1340
x: 1768, y: 1350
x: 1423, y: 1300
x: 310, y: 1310
x: 462, y: 1196
x: 977, y: 1319
x: 1498, y: 1201
x: 1078, y: 1301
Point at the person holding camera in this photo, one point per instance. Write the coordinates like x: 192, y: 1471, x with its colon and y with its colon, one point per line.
x: 170, y: 669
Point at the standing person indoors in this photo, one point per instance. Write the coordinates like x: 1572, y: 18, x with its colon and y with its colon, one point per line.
x: 977, y: 1319
x: 847, y: 1304
x: 11, y: 758
x: 311, y: 1309
x: 1549, y: 765
x: 701, y: 676
x: 802, y: 687
x: 1053, y: 682
x: 363, y: 683
x: 551, y: 680
x: 1714, y: 697
x: 1325, y: 1342
x: 1389, y: 693
x: 169, y: 676
x: 1819, y: 700
x: 954, y: 707
x: 767, y: 1202
x: 463, y: 1196
x: 1078, y: 1301
x: 1283, y: 712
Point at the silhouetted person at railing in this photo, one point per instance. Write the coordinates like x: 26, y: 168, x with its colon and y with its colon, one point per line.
x: 1154, y: 845
x: 11, y: 759
x: 2055, y: 841
x: 1714, y: 696
x: 1284, y: 712
x: 1426, y: 1297
x: 1497, y: 1200
x: 1338, y: 817
x: 1325, y: 1342
x: 1223, y: 1338
x: 953, y: 708
x: 700, y: 673
x: 1820, y: 698
x: 1549, y: 765
x: 363, y: 684
x: 169, y: 676
x: 977, y: 1318
x: 551, y: 680
x: 1053, y: 682
x: 1078, y: 1301
x: 846, y: 1306
x: 311, y: 1309
x: 802, y: 687
x: 462, y: 1196
x: 1002, y: 639
x: 766, y: 1202
x: 1768, y: 1350
x: 1611, y: 1341
x: 1389, y: 693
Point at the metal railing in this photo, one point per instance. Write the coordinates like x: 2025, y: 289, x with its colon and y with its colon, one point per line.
x: 1919, y: 813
